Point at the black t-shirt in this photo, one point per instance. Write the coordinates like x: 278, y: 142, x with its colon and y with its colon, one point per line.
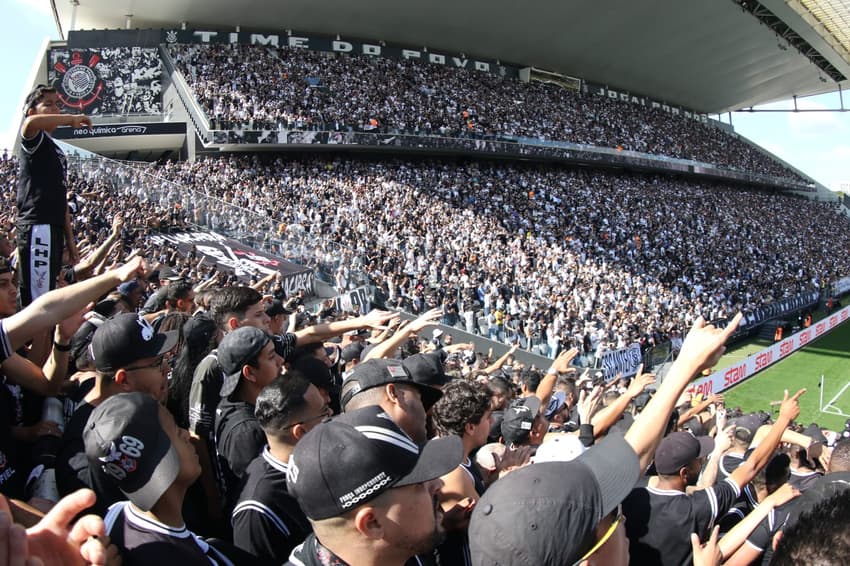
x: 238, y: 440
x: 12, y: 477
x: 72, y: 467
x: 284, y: 345
x: 660, y: 522
x: 42, y: 193
x: 762, y: 536
x: 746, y: 502
x: 267, y: 521
x: 144, y: 541
x: 803, y: 479
x: 204, y: 396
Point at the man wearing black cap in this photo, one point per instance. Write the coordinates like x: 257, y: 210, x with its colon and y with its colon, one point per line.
x: 133, y: 444
x: 427, y: 368
x: 368, y: 490
x: 267, y: 521
x: 556, y: 513
x: 388, y: 384
x: 523, y: 424
x: 661, y: 518
x: 278, y: 317
x: 784, y: 517
x: 128, y: 356
x: 249, y: 362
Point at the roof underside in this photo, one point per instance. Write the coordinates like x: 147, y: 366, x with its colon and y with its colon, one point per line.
x: 707, y: 55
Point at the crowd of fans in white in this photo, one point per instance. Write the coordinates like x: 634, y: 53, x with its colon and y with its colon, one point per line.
x: 540, y: 255
x: 262, y: 88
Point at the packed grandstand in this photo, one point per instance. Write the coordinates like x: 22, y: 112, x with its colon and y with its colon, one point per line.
x: 286, y: 271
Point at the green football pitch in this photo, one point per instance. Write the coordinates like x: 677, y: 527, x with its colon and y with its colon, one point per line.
x: 829, y: 356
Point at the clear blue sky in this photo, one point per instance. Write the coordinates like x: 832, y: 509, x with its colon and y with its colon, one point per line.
x: 817, y: 143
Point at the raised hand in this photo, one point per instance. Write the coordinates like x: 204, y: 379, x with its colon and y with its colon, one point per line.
x: 562, y: 362
x: 640, y: 382
x: 588, y: 403
x: 704, y: 343
x: 709, y: 553
x: 790, y: 408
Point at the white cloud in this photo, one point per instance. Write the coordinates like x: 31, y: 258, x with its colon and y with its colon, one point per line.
x: 41, y: 6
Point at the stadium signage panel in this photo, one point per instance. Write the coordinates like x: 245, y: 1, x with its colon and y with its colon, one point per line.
x: 228, y: 254
x: 724, y: 379
x: 780, y: 308
x: 319, y: 43
x: 624, y: 361
x: 625, y: 96
x: 357, y: 297
x: 113, y: 130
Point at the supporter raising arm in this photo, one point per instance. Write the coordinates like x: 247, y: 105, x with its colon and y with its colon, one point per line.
x: 60, y: 304
x: 321, y: 332
x: 701, y: 349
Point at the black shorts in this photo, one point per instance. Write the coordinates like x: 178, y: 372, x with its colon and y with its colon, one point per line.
x: 40, y: 249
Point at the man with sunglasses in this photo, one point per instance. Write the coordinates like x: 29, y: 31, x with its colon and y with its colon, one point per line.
x: 267, y: 520
x: 129, y: 356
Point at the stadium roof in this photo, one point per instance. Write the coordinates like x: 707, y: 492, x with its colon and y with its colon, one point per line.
x: 710, y: 56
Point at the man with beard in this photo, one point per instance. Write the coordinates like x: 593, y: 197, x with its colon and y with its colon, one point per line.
x: 369, y: 491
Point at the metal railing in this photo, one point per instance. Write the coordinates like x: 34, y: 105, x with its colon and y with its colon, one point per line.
x: 256, y: 230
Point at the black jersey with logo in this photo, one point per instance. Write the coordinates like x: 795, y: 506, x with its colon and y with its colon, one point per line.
x: 42, y: 191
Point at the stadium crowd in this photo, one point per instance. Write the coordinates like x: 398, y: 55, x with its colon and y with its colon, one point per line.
x: 540, y: 256
x: 199, y: 422
x: 521, y: 252
x: 261, y: 88
x: 318, y: 445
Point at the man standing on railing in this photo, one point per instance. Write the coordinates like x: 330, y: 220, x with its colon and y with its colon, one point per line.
x: 43, y: 222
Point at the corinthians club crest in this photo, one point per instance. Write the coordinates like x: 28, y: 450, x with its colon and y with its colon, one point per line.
x: 77, y: 82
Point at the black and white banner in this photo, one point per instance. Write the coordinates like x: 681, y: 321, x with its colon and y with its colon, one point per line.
x: 119, y: 80
x: 358, y: 297
x: 624, y: 361
x: 294, y: 39
x: 780, y: 308
x: 229, y: 255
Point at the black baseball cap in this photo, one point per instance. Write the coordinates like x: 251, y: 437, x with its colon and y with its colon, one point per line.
x: 235, y: 351
x: 275, y: 308
x: 378, y: 372
x: 127, y: 446
x: 546, y: 514
x: 427, y: 368
x: 315, y: 370
x: 198, y: 331
x: 351, y: 459
x: 519, y: 419
x: 128, y: 337
x: 352, y: 351
x: 679, y: 449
